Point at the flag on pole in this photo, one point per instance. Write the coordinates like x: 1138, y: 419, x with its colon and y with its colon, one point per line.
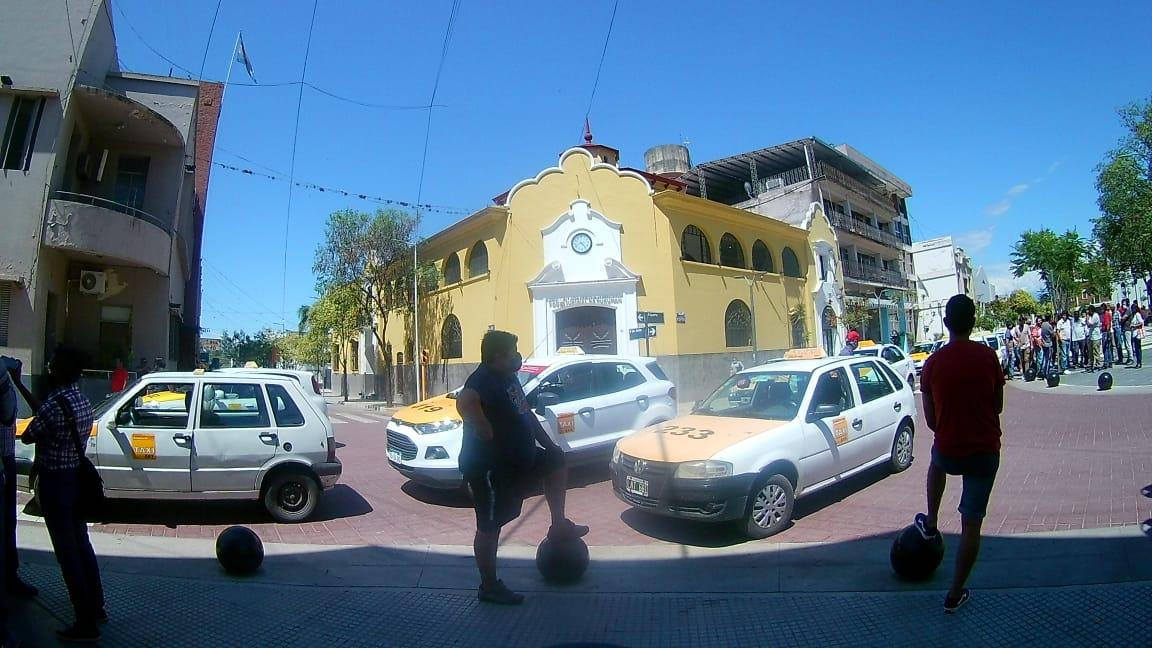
x: 242, y: 57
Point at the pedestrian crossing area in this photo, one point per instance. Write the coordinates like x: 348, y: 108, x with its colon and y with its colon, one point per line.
x: 340, y: 417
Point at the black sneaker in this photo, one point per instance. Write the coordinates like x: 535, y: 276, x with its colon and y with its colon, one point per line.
x: 567, y: 530
x: 20, y: 589
x: 499, y: 594
x: 953, y: 604
x: 922, y: 526
x: 79, y: 634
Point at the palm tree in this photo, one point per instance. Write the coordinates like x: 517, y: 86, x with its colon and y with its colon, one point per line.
x: 302, y: 314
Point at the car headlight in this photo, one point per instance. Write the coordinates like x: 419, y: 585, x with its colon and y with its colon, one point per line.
x: 703, y: 469
x: 615, y: 454
x: 446, y: 425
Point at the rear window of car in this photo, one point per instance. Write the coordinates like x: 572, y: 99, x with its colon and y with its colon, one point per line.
x: 284, y: 408
x: 657, y: 370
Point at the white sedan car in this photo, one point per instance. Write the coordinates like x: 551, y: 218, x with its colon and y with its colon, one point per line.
x: 895, y: 357
x: 766, y: 436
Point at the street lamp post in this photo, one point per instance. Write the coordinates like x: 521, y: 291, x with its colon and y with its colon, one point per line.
x: 751, y: 279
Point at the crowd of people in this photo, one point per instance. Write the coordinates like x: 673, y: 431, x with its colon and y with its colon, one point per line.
x: 1089, y: 339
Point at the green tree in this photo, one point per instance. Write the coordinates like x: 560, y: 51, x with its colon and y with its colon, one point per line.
x: 372, y: 254
x: 1068, y: 264
x: 340, y: 314
x: 302, y: 318
x: 856, y: 315
x: 1001, y: 310
x: 1124, y: 185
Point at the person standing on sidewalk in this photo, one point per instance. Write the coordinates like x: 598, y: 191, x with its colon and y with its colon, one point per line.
x: 963, y: 391
x: 1078, y: 332
x: 1092, y: 322
x: 1024, y: 345
x: 60, y: 431
x: 1048, y: 344
x: 1106, y: 335
x: 1064, y: 333
x: 119, y: 378
x: 1123, y: 351
x: 9, y: 376
x: 1136, y: 327
x: 505, y: 448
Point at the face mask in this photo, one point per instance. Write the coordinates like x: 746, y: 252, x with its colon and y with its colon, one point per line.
x: 517, y: 362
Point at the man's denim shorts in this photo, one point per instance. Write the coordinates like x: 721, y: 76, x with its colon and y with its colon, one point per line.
x: 979, y: 473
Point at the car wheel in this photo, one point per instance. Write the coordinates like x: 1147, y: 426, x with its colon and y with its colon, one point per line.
x: 902, y: 448
x: 291, y: 497
x: 769, y: 507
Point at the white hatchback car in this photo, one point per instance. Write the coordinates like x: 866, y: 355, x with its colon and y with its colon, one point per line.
x: 212, y: 436
x: 766, y: 436
x: 586, y: 402
x: 307, y: 380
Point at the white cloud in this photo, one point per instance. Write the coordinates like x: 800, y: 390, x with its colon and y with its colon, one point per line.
x: 975, y: 241
x: 1000, y: 275
x: 1001, y: 207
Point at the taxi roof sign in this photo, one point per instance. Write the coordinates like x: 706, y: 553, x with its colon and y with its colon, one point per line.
x: 864, y: 344
x: 570, y: 350
x: 806, y: 353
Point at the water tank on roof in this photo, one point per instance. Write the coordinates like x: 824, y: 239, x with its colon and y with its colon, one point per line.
x: 667, y: 160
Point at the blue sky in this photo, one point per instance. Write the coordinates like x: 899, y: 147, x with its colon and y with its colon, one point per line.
x: 996, y: 113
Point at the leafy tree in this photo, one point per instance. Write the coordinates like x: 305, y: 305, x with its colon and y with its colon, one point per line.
x: 856, y: 315
x: 1068, y: 264
x: 340, y: 314
x: 240, y: 347
x: 372, y: 254
x: 311, y: 349
x: 1001, y: 310
x: 302, y: 318
x: 1124, y: 185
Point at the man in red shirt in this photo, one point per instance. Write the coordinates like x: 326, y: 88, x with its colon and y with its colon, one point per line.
x: 119, y: 379
x: 963, y: 390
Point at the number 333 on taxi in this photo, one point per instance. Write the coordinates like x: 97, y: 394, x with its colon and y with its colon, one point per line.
x: 766, y: 436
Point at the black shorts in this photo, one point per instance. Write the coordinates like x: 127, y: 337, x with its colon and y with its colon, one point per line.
x: 498, y: 494
x: 979, y: 473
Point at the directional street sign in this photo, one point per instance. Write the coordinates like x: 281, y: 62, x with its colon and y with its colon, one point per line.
x: 651, y: 331
x: 642, y: 332
x: 649, y: 317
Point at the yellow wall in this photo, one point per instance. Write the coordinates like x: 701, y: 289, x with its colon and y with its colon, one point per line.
x: 650, y: 243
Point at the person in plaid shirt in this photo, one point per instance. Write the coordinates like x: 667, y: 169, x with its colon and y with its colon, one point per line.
x: 62, y: 419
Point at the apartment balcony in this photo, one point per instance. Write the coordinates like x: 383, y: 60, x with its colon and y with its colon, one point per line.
x: 847, y: 223
x: 876, y: 275
x: 94, y: 226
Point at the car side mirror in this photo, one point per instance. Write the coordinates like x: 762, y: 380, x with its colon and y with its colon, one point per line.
x: 544, y: 400
x: 824, y: 410
x: 123, y: 417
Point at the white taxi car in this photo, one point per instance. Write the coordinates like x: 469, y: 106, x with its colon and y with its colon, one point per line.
x: 894, y: 356
x: 586, y: 403
x: 766, y: 436
x: 211, y: 436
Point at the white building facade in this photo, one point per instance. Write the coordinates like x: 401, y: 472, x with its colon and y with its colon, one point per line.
x: 942, y: 270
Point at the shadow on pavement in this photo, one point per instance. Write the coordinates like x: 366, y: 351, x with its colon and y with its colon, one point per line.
x: 341, y: 501
x: 400, y: 596
x: 705, y: 534
x: 580, y: 475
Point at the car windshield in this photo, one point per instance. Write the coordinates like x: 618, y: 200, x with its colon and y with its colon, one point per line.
x: 771, y: 395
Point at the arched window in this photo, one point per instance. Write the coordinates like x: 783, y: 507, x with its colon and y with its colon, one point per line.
x: 737, y: 325
x: 791, y: 264
x: 731, y: 252
x: 451, y: 339
x: 694, y: 245
x: 478, y: 260
x: 452, y: 269
x: 762, y: 257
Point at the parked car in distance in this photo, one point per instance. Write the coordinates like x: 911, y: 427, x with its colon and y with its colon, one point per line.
x: 893, y: 355
x: 585, y: 402
x: 307, y: 379
x: 921, y: 351
x: 766, y: 436
x: 227, y: 436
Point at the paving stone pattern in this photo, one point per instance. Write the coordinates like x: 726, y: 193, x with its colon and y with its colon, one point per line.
x: 191, y: 612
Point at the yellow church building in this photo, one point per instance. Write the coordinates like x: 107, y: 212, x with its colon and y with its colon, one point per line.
x: 585, y: 253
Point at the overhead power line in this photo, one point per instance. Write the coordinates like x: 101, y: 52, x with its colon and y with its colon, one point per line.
x: 432, y: 101
x: 311, y: 86
x: 211, y: 30
x: 603, y: 55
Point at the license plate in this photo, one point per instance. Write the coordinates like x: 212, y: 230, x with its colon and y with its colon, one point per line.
x: 394, y: 455
x: 636, y: 486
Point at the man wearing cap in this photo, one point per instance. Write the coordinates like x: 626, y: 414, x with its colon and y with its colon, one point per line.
x: 851, y: 343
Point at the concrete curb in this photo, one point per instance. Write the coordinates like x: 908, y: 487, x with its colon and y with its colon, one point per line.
x: 1039, y: 560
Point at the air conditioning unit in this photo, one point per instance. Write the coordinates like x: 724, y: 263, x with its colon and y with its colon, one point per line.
x: 92, y: 283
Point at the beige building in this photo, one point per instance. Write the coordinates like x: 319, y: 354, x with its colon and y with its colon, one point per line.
x: 103, y: 181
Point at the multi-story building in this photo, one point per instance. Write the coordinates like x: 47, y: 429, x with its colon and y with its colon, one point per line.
x: 942, y: 270
x: 579, y: 255
x: 103, y: 184
x: 865, y: 202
